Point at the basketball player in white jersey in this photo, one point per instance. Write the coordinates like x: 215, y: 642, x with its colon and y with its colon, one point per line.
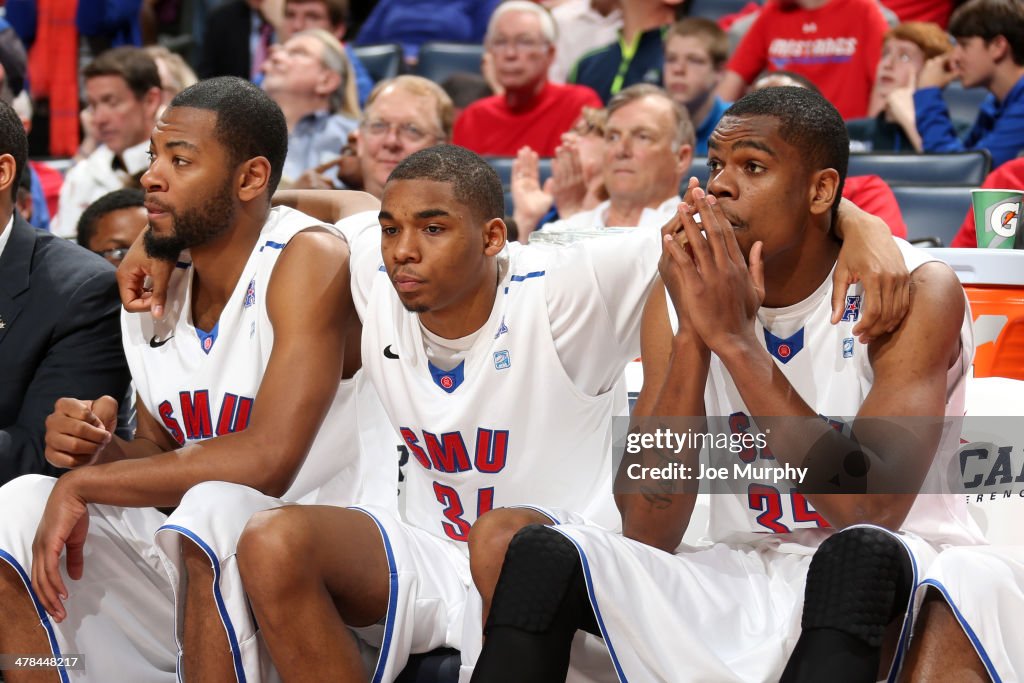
x: 495, y: 363
x: 244, y: 395
x: 748, y: 341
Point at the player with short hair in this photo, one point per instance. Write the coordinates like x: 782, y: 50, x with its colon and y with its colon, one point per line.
x: 245, y: 400
x: 461, y: 330
x: 747, y: 335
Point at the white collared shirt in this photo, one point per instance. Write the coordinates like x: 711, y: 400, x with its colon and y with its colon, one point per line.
x: 596, y: 218
x: 5, y: 236
x: 90, y: 179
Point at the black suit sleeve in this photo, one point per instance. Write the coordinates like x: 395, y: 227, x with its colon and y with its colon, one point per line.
x: 84, y: 360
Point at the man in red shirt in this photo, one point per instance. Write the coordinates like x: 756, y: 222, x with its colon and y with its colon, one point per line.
x: 834, y: 43
x: 532, y: 111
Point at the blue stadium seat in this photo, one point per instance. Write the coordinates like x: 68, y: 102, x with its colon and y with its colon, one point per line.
x: 699, y: 168
x: 933, y: 211
x: 713, y: 9
x: 439, y: 60
x: 503, y: 166
x: 382, y: 61
x: 962, y: 168
x: 963, y: 102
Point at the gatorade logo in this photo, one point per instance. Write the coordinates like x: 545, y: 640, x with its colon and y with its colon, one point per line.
x: 1003, y: 219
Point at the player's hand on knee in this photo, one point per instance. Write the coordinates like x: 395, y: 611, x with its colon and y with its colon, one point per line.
x: 142, y: 281
x: 64, y: 525
x: 77, y: 431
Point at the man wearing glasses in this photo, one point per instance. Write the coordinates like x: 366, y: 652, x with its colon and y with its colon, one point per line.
x: 532, y: 111
x: 402, y: 115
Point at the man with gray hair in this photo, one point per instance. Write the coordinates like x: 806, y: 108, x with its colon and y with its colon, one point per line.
x: 310, y: 78
x: 649, y: 142
x: 532, y: 111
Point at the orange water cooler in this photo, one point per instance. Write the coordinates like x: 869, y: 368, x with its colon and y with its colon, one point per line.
x: 994, y: 282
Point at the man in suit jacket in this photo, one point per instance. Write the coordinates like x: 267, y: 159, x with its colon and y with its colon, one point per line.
x: 59, y: 327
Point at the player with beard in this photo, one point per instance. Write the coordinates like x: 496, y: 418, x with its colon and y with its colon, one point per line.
x: 244, y: 400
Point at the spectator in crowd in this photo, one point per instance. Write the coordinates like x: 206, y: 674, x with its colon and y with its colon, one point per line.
x: 696, y: 50
x: 236, y: 41
x: 310, y: 78
x: 1008, y: 176
x: 834, y: 43
x: 577, y: 178
x: 532, y: 111
x: 648, y: 150
x: 110, y: 225
x: 122, y: 88
x: 638, y: 54
x: 934, y: 11
x: 331, y: 16
x: 59, y: 321
x: 989, y: 53
x: 869, y: 192
x: 583, y: 25
x: 890, y: 125
x: 402, y: 115
x: 175, y: 73
x: 109, y: 23
x: 414, y: 22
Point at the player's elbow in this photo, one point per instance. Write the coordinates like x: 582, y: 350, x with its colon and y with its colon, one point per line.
x: 275, y: 472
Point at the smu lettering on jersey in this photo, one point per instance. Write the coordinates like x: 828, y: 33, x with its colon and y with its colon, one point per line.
x: 201, y: 384
x: 506, y: 427
x: 833, y: 375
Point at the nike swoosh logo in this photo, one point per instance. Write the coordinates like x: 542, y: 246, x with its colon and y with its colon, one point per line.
x: 153, y: 343
x: 388, y: 353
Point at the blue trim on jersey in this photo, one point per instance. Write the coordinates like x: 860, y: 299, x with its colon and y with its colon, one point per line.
x: 453, y: 377
x: 520, y: 278
x: 597, y: 610
x: 272, y: 245
x: 236, y: 653
x: 207, y: 339
x: 784, y: 349
x: 389, y: 618
x: 183, y: 264
x: 381, y: 269
x: 908, y: 615
x: 971, y: 635
x: 546, y: 513
x: 44, y: 618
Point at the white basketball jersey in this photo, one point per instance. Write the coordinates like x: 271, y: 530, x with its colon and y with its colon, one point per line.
x: 509, y: 426
x: 203, y: 384
x: 831, y: 372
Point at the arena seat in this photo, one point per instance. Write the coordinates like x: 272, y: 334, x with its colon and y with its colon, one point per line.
x: 935, y: 212
x: 439, y: 60
x: 714, y: 9
x: 698, y: 168
x: 960, y: 168
x: 382, y: 61
x: 503, y: 166
x: 963, y: 102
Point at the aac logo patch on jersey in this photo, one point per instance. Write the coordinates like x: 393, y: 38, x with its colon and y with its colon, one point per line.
x: 250, y: 294
x: 852, y: 312
x: 502, y: 361
x: 848, y: 347
x: 784, y: 349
